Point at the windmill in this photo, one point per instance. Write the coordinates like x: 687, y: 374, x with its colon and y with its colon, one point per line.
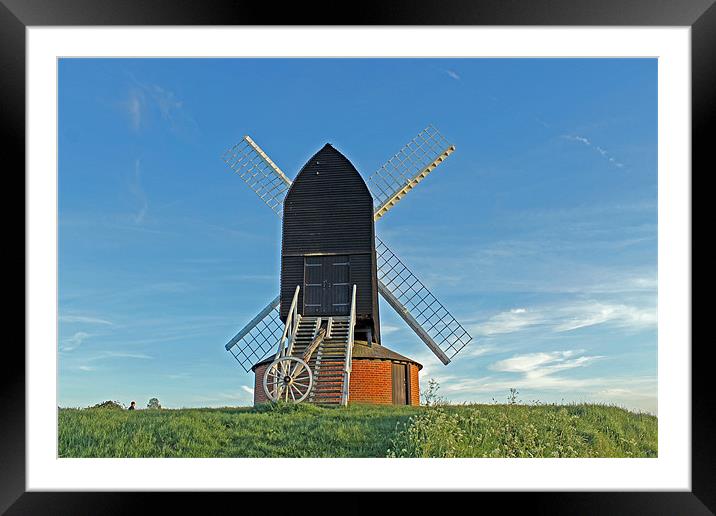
x: 332, y: 268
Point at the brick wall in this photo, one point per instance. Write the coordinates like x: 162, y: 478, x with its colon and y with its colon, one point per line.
x: 259, y: 394
x: 414, y: 385
x: 371, y: 382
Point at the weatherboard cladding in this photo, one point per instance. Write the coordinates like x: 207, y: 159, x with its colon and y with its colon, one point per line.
x: 291, y: 275
x: 329, y: 211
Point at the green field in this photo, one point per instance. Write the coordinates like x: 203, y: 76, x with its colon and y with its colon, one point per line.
x: 510, y: 430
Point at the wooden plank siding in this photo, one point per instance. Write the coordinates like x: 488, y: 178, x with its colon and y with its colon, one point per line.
x: 329, y: 211
x: 291, y: 275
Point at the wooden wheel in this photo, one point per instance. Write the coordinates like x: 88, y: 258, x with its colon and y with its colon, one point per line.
x: 288, y: 379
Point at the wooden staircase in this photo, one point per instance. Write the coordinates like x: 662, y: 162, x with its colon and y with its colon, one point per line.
x: 328, y: 361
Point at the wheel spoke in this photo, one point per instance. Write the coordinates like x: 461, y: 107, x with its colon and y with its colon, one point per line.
x: 300, y: 394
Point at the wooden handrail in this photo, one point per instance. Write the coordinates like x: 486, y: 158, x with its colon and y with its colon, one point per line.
x: 291, y: 321
x: 349, y: 351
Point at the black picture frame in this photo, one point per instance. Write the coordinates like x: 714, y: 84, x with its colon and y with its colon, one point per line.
x: 17, y: 15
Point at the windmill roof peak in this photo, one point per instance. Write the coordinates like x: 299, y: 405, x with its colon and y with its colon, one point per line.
x: 329, y: 147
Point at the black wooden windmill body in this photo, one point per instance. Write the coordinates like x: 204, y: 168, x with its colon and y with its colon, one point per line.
x: 333, y: 266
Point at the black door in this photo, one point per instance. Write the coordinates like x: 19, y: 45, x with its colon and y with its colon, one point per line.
x: 326, y: 285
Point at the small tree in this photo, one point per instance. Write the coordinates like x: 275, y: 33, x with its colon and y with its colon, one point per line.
x: 430, y: 395
x: 112, y: 405
x: 154, y: 404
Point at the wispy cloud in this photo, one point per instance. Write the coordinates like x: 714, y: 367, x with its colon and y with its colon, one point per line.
x: 73, y: 342
x: 453, y: 74
x: 511, y: 321
x: 234, y: 232
x: 533, y: 371
x: 590, y: 314
x: 110, y: 355
x: 135, y: 186
x: 603, y: 152
x: 94, y: 360
x: 570, y: 316
x: 582, y: 139
x: 120, y: 354
x: 541, y: 364
x: 145, y: 97
x: 248, y: 389
x: 169, y: 105
x: 251, y: 277
x: 134, y: 107
x: 474, y: 349
x: 387, y: 329
x: 178, y: 376
x: 84, y: 319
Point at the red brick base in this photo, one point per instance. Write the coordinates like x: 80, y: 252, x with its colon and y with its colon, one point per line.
x: 371, y: 382
x: 259, y: 394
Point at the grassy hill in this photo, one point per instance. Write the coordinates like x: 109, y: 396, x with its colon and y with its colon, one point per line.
x: 512, y: 430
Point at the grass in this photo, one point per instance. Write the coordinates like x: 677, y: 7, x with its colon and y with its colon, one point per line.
x: 511, y: 430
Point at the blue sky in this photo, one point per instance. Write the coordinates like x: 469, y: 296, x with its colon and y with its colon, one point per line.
x: 539, y: 233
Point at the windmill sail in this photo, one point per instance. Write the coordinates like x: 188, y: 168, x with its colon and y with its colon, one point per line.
x: 418, y: 307
x: 407, y: 168
x: 258, y: 337
x: 257, y: 170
